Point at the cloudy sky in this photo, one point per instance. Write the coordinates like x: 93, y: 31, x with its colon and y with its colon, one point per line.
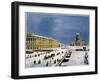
x: 62, y: 27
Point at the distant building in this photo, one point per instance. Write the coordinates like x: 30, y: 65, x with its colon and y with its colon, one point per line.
x: 37, y: 42
x: 78, y: 41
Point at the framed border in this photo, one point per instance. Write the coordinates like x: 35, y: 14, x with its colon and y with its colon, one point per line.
x: 15, y: 39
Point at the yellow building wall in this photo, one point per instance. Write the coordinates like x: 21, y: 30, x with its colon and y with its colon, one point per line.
x: 37, y: 43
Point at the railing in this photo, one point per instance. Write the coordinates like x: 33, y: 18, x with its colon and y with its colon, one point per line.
x: 62, y: 59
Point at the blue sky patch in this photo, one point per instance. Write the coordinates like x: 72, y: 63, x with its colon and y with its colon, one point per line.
x: 62, y: 27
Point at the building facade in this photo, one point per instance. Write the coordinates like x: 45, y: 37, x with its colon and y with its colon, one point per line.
x: 36, y: 42
x: 78, y: 41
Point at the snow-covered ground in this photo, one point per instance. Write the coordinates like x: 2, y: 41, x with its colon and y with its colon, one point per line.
x: 44, y: 58
x: 53, y: 58
x: 76, y: 58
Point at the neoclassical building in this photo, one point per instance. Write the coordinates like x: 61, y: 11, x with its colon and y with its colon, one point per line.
x: 37, y: 42
x: 78, y: 41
